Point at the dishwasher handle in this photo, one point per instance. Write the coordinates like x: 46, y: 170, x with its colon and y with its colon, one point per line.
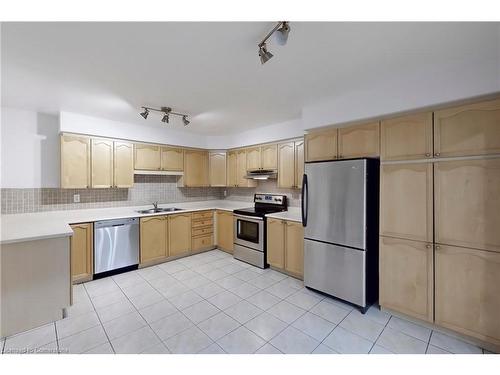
x: 116, y: 223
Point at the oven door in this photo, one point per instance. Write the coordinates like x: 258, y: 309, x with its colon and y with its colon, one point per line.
x: 249, y: 232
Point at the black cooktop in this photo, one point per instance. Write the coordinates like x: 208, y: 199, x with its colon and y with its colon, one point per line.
x: 259, y: 211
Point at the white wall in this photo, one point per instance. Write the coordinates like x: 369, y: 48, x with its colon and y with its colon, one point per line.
x: 76, y: 123
x: 29, y: 149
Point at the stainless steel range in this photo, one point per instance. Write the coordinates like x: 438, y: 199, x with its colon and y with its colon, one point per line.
x: 250, y: 228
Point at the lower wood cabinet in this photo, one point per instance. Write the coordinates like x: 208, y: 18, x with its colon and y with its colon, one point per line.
x: 285, y: 246
x: 467, y: 292
x: 81, y: 245
x: 225, y: 230
x: 153, y: 238
x: 406, y: 277
x: 179, y: 227
x: 202, y: 230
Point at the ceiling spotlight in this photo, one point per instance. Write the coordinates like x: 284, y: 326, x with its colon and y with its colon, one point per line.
x: 185, y: 120
x: 264, y: 54
x: 145, y: 113
x: 165, y: 118
x: 281, y: 35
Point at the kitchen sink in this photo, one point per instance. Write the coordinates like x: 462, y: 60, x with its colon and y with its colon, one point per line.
x: 158, y: 210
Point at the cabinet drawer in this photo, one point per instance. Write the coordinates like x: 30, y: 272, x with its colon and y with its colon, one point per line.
x: 202, y: 222
x: 203, y: 242
x: 202, y: 231
x: 202, y: 215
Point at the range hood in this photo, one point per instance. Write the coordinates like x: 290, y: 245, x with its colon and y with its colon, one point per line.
x: 262, y: 174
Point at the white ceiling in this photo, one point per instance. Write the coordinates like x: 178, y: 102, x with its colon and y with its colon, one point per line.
x: 212, y: 70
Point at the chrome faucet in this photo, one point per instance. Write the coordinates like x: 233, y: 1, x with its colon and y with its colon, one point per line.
x: 155, y: 205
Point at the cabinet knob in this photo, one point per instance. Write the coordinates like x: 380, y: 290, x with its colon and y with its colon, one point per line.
x: 428, y: 246
x: 437, y: 154
x: 341, y: 156
x: 438, y: 247
x: 427, y: 154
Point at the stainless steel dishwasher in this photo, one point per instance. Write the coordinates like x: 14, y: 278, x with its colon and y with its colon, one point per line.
x: 116, y: 246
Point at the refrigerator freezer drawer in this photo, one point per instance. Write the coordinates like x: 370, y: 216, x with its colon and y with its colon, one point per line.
x: 335, y: 270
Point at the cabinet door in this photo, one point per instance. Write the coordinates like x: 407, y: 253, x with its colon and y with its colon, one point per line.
x: 217, y: 168
x: 153, y: 238
x: 286, y: 165
x: 406, y: 201
x: 241, y: 168
x: 406, y: 277
x: 299, y: 163
x: 179, y: 227
x: 195, y: 168
x: 102, y: 163
x: 467, y: 292
x: 407, y: 137
x: 467, y: 208
x: 225, y: 229
x: 147, y: 157
x: 359, y: 141
x: 294, y: 248
x: 81, y: 252
x: 253, y: 159
x: 172, y: 159
x: 321, y: 145
x: 472, y: 129
x: 276, y: 243
x: 269, y: 155
x: 75, y: 162
x: 123, y: 164
x: 232, y: 178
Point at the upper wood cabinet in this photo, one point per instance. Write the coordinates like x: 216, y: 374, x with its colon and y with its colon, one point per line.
x: 172, y: 159
x: 467, y: 293
x: 81, y: 252
x: 123, y: 158
x: 407, y: 137
x: 269, y: 156
x: 321, y: 145
x: 253, y: 158
x: 299, y: 163
x: 359, y: 141
x: 406, y: 206
x: 102, y: 163
x: 147, y: 157
x: 75, y: 162
x: 241, y: 170
x: 467, y: 203
x: 179, y: 227
x: 285, y: 246
x: 286, y: 165
x: 276, y: 243
x: 406, y: 277
x: 472, y: 129
x: 217, y: 166
x: 195, y: 168
x: 153, y: 238
x: 232, y: 175
x: 294, y: 245
x: 225, y: 229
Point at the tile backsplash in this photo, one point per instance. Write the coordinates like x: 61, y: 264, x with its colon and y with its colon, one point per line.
x: 146, y: 189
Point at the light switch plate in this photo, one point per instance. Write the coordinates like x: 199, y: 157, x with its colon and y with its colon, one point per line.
x: 76, y: 198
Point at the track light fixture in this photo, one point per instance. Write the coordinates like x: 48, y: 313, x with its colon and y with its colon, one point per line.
x: 167, y: 111
x: 281, y: 31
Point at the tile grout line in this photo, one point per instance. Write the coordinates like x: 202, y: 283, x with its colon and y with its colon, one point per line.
x: 57, y: 339
x: 380, y: 334
x: 429, y: 342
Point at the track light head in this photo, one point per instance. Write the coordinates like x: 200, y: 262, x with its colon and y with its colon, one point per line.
x: 264, y: 54
x: 281, y: 35
x: 185, y: 120
x: 165, y: 118
x: 145, y: 113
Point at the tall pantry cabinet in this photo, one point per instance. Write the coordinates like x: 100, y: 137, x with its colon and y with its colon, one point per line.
x: 439, y: 221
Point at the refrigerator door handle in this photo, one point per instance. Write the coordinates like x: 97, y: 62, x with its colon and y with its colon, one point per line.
x: 304, y: 199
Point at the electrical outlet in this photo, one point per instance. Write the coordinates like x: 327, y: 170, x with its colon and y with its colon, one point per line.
x: 225, y: 193
x: 76, y: 198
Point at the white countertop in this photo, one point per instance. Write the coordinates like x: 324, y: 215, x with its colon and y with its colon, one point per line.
x: 293, y: 214
x: 51, y: 224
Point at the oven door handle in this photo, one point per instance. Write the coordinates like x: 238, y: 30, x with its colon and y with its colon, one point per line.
x: 248, y: 217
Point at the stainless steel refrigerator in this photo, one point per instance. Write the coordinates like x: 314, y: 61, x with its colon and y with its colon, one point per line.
x: 340, y: 208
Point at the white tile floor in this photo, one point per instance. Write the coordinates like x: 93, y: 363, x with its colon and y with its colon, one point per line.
x: 211, y: 303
